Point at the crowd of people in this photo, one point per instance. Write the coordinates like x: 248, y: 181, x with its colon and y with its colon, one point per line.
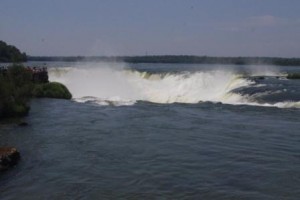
x: 39, y: 74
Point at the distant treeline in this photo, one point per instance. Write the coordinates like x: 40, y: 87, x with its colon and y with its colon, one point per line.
x: 177, y: 59
x: 9, y: 53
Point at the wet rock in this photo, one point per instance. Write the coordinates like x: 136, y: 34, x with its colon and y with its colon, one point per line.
x: 23, y: 124
x: 9, y: 157
x: 293, y: 76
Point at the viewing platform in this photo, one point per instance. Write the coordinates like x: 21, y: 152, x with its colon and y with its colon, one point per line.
x: 38, y: 74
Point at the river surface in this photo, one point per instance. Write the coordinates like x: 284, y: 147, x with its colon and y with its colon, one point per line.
x: 160, y: 131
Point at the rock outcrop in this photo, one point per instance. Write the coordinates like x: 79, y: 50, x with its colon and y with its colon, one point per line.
x: 51, y: 90
x: 9, y: 157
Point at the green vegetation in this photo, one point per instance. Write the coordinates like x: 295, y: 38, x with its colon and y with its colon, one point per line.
x: 17, y: 88
x: 179, y: 59
x: 51, y: 90
x: 15, y: 91
x: 9, y: 53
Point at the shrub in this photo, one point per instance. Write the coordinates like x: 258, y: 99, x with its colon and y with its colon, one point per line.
x: 51, y: 90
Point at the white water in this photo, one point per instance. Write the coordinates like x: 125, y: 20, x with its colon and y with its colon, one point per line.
x: 115, y: 85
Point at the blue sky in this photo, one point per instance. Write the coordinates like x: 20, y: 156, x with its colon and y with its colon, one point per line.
x: 153, y: 27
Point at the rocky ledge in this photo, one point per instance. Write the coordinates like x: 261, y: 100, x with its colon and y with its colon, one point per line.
x: 9, y: 157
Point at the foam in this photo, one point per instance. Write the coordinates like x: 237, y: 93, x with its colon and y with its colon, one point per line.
x: 116, y: 85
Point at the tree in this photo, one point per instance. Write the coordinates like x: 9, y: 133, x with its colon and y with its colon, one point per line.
x: 9, y: 53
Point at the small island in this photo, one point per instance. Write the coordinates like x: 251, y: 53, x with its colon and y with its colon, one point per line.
x: 18, y: 84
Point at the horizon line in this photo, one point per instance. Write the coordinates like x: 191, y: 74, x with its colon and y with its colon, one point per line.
x: 160, y: 55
